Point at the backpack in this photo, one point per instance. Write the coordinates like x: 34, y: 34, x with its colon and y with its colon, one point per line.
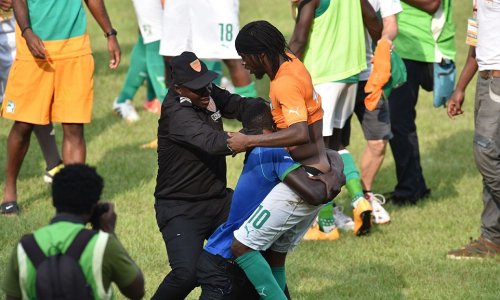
x: 60, y: 276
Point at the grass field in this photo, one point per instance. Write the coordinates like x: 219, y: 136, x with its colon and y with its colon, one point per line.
x: 402, y: 260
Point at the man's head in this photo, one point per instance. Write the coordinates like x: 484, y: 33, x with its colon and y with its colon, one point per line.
x: 257, y: 119
x: 191, y: 78
x: 261, y: 46
x: 76, y: 189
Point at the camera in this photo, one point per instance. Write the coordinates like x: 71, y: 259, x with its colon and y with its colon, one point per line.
x: 99, y: 210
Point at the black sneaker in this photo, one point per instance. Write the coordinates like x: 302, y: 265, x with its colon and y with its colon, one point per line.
x: 9, y: 208
x: 406, y: 200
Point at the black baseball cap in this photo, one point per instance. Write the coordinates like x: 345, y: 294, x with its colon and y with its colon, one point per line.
x: 189, y: 71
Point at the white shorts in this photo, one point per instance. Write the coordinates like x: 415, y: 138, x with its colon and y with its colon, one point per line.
x: 7, y: 52
x: 149, y: 15
x: 206, y: 27
x: 279, y: 223
x: 338, y: 100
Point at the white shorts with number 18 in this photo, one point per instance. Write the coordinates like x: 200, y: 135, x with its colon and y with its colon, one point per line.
x: 206, y: 27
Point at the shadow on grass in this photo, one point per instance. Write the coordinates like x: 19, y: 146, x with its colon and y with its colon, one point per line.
x: 445, y: 163
x: 125, y: 168
x: 366, y: 281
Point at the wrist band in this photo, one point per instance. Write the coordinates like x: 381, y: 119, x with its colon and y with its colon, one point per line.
x: 24, y: 30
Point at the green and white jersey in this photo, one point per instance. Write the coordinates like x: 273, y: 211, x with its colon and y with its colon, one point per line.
x: 336, y: 47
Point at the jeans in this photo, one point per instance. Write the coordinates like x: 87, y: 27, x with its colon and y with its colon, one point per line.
x: 487, y: 153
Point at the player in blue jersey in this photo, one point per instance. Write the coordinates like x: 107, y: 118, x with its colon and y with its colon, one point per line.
x: 263, y: 169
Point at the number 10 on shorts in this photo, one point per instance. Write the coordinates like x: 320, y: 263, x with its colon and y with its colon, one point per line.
x: 226, y: 32
x: 259, y: 217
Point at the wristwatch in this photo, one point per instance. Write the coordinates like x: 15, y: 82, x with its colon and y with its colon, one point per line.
x: 112, y: 32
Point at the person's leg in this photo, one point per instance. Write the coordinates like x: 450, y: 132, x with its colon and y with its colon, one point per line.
x: 487, y: 154
x: 17, y: 146
x: 184, y: 227
x: 405, y: 149
x: 279, y: 212
x: 487, y: 157
x: 136, y: 73
x: 184, y: 242
x: 243, y: 84
x: 376, y: 128
x: 47, y: 141
x: 73, y: 145
x: 156, y: 69
x: 213, y: 275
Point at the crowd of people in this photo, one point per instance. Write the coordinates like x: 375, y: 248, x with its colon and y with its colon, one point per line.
x: 367, y: 57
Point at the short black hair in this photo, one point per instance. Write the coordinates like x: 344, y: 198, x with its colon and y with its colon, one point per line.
x: 262, y: 37
x: 257, y: 117
x: 76, y: 189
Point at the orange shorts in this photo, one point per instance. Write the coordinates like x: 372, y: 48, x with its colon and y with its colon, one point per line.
x: 39, y: 92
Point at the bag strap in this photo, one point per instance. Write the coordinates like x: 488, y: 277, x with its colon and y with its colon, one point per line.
x: 81, y: 240
x: 32, y: 249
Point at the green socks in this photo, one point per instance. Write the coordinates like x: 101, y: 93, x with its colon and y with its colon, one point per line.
x: 352, y: 178
x: 280, y: 276
x: 260, y: 274
x: 247, y: 90
x: 326, y: 221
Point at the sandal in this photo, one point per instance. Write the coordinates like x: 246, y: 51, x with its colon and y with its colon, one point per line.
x: 9, y: 208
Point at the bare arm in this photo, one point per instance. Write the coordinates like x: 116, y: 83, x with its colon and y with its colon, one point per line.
x: 100, y: 14
x: 371, y: 21
x: 429, y: 6
x: 295, y: 135
x: 321, y: 188
x: 457, y: 98
x: 302, y: 28
x: 34, y: 43
x: 390, y: 30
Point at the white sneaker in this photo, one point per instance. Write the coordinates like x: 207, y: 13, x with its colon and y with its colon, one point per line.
x: 341, y: 220
x: 125, y: 110
x: 379, y: 214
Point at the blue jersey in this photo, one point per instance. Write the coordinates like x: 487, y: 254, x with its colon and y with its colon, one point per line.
x: 263, y: 170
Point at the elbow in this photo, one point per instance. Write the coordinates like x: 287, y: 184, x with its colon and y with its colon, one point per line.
x: 136, y: 289
x: 316, y: 198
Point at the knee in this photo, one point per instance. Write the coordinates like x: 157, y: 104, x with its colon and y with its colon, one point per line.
x: 184, y: 276
x: 21, y: 130
x: 73, y: 131
x: 238, y: 248
x: 377, y: 147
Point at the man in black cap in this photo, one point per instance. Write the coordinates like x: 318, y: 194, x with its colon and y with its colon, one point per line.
x: 192, y: 199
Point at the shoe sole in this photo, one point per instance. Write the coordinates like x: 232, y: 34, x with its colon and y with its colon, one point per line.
x: 47, y: 179
x: 365, y: 223
x: 126, y: 120
x: 465, y: 257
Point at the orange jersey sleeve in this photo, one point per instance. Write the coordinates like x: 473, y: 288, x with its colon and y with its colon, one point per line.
x: 288, y: 105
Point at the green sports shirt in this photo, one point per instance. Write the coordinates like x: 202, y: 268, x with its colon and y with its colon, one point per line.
x: 115, y: 264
